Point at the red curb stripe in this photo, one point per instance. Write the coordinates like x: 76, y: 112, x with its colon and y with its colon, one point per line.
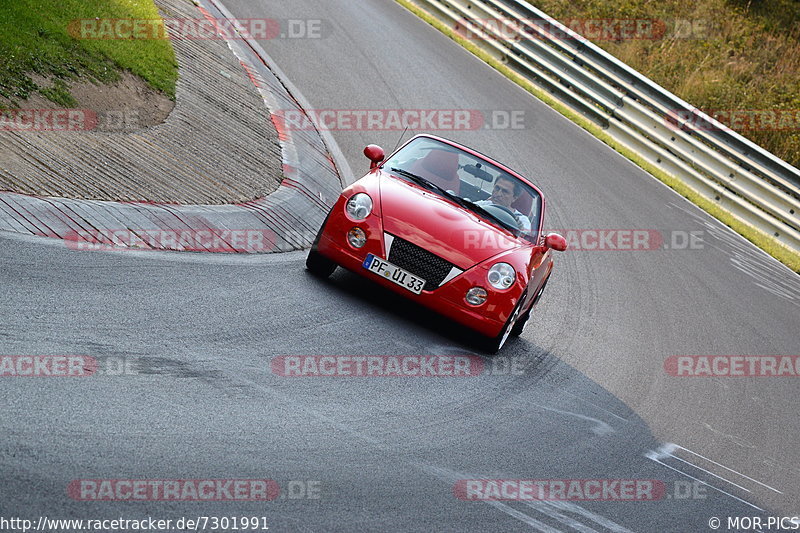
x: 75, y: 224
x: 280, y: 126
x: 250, y: 74
x: 32, y: 220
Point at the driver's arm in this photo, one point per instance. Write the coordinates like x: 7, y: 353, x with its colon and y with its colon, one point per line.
x: 523, y: 221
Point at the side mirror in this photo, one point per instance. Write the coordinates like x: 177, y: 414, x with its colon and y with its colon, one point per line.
x: 375, y: 154
x: 556, y: 242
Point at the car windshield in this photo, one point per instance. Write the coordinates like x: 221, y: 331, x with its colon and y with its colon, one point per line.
x: 477, y: 185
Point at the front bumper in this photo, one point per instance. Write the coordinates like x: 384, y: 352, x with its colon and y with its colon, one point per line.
x: 448, y: 299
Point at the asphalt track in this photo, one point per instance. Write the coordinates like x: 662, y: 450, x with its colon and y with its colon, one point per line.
x: 593, y: 400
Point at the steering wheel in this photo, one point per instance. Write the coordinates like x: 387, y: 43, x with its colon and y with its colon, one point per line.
x: 506, y: 209
x: 505, y: 214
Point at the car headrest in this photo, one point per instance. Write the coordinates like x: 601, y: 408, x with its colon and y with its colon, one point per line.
x: 441, y: 162
x: 441, y: 167
x: 523, y: 204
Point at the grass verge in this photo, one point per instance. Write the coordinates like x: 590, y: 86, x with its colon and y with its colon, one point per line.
x: 35, y: 39
x: 737, y: 59
x: 764, y: 241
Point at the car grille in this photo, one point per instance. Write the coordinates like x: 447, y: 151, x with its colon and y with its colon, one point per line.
x: 420, y: 262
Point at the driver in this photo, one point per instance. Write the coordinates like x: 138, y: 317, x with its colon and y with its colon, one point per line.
x: 505, y: 192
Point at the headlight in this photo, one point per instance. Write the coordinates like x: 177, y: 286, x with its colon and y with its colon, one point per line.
x: 356, y: 237
x: 476, y: 296
x: 359, y: 206
x: 501, y: 276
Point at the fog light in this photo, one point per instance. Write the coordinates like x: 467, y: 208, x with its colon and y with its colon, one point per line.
x: 356, y: 237
x: 476, y: 296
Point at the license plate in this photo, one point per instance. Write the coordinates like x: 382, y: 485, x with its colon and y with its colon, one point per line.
x: 394, y: 273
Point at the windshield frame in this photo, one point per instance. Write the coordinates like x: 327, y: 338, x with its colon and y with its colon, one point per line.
x: 535, y: 235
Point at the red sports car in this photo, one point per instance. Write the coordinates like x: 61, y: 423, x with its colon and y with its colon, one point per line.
x: 447, y: 227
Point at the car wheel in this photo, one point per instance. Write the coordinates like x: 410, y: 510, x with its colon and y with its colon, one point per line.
x: 316, y: 263
x: 494, y: 344
x: 519, y: 327
x: 319, y: 265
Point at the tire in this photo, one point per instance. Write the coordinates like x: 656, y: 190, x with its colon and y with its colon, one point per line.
x: 316, y: 263
x: 519, y: 327
x: 319, y: 265
x: 494, y: 344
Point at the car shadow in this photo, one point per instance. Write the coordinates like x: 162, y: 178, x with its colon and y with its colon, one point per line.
x: 353, y: 287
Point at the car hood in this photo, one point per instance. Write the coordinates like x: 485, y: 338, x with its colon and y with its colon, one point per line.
x: 439, y: 226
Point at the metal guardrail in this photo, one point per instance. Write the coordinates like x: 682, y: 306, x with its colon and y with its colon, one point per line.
x: 754, y: 185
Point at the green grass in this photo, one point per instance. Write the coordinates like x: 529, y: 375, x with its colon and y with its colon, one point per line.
x: 34, y: 38
x: 766, y: 242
